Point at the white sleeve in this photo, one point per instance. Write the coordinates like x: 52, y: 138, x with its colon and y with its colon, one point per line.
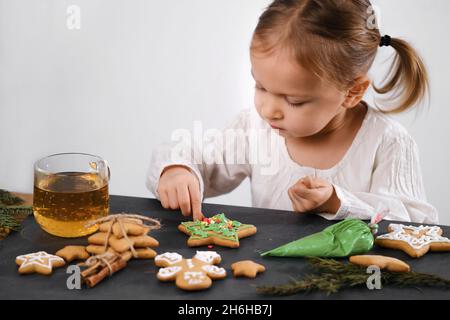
x: 396, y: 185
x: 220, y: 163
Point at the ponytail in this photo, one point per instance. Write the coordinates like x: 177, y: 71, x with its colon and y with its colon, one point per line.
x: 407, y: 77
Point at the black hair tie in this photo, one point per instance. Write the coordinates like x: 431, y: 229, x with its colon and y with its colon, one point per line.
x: 385, y: 41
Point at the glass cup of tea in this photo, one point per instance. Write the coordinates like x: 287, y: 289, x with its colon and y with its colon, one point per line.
x: 70, y: 190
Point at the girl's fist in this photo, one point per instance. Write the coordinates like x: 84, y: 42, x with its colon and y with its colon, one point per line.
x: 315, y: 195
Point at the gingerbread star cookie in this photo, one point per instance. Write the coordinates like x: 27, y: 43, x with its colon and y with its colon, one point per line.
x: 247, y: 268
x: 39, y: 262
x: 125, y: 235
x: 190, y: 274
x: 70, y: 253
x: 384, y: 263
x: 131, y: 227
x: 122, y: 244
x: 415, y: 241
x: 218, y: 230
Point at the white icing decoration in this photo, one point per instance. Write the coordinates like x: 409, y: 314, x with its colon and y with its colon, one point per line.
x: 415, y: 240
x: 207, y: 256
x: 189, y: 263
x: 168, y: 272
x: 194, y: 277
x: 40, y: 258
x: 214, y: 270
x: 169, y: 257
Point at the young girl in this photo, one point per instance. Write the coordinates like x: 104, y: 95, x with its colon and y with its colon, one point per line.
x: 336, y: 156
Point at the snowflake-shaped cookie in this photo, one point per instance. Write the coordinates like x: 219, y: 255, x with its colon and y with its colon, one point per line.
x: 190, y: 274
x: 415, y: 241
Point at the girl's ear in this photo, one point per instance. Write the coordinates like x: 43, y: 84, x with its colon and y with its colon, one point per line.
x: 356, y: 93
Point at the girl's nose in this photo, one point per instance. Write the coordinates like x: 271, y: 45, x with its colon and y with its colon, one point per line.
x: 271, y: 111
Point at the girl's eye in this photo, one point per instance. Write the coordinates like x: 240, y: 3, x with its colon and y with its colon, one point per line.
x: 259, y: 88
x: 295, y: 105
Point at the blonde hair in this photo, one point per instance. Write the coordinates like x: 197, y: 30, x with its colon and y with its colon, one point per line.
x: 333, y: 39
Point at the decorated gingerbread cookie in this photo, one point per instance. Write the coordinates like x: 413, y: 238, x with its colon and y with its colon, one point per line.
x: 415, y: 241
x: 190, y: 274
x: 218, y: 230
x: 247, y: 268
x: 38, y: 262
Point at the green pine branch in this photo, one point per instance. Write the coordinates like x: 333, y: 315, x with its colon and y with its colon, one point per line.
x: 12, y: 211
x: 332, y: 276
x: 8, y: 199
x: 12, y: 217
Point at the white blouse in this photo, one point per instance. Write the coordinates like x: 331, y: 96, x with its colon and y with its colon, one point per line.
x: 380, y: 170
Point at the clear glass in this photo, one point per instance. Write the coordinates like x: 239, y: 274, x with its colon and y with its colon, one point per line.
x: 70, y: 190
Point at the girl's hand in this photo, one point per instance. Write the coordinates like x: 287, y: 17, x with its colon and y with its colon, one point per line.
x: 314, y: 195
x: 179, y: 189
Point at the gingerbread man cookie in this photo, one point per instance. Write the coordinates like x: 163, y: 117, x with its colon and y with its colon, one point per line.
x: 247, y: 268
x: 190, y: 274
x: 218, y: 230
x: 39, y: 262
x: 415, y: 241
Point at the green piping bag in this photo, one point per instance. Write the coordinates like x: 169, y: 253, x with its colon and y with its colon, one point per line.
x: 346, y: 238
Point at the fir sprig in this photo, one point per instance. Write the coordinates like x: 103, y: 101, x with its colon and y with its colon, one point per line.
x: 11, y: 217
x: 12, y: 212
x: 8, y: 199
x: 332, y: 276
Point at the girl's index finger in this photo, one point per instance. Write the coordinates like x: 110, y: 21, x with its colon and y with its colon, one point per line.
x: 197, y: 212
x: 196, y: 203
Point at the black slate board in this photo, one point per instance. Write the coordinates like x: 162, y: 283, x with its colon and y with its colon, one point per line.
x: 138, y: 280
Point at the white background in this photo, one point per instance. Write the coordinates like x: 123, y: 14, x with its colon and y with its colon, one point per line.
x: 139, y: 69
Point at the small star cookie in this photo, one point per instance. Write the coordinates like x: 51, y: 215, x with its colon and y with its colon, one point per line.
x: 247, y: 268
x: 190, y: 274
x: 70, y: 253
x: 415, y: 241
x: 39, y: 262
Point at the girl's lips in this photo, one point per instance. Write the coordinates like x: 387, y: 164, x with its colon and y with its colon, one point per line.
x: 275, y: 127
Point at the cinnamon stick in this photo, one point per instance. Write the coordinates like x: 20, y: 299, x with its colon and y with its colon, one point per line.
x: 91, y: 270
x: 92, y: 280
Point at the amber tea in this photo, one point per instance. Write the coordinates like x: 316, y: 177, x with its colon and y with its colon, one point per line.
x: 64, y: 202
